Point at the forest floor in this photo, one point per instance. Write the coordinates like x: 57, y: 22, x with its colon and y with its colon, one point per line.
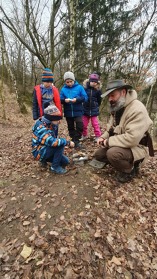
x: 79, y: 225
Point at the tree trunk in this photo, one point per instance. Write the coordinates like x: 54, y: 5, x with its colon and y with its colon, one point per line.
x: 55, y: 7
x: 2, y: 77
x: 6, y: 60
x: 72, y: 10
x: 7, y: 63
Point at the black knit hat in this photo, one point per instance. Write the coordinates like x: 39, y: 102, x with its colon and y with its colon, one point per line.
x: 51, y: 112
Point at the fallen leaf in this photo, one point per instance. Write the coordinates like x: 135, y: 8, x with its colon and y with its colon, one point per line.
x: 13, y: 199
x: 54, y: 233
x: 69, y: 273
x: 96, y: 187
x: 115, y: 260
x: 87, y: 206
x: 97, y: 234
x: 32, y: 237
x: 26, y: 251
x: 99, y: 255
x: 26, y: 223
x: 38, y: 263
x: 43, y: 215
x: 64, y: 250
x: 132, y: 245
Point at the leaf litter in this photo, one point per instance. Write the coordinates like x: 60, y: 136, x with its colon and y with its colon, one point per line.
x: 82, y: 225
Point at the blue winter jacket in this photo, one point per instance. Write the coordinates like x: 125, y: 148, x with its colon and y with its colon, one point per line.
x: 44, y: 136
x: 76, y: 91
x: 91, y: 107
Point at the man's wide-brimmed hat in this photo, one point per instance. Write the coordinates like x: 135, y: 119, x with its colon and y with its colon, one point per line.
x: 115, y: 84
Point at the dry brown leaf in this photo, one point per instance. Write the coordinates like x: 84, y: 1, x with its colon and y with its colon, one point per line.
x: 97, y: 234
x: 54, y: 233
x: 26, y: 223
x: 43, y: 215
x: 26, y: 251
x: 69, y: 274
x: 115, y: 260
x: 87, y: 206
x: 132, y: 244
x: 99, y: 255
x: 64, y: 250
x: 32, y: 237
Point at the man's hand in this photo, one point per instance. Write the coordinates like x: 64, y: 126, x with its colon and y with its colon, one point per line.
x: 100, y: 141
x: 105, y: 143
x: 72, y: 144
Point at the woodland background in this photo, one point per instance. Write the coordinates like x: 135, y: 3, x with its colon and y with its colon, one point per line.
x: 82, y: 225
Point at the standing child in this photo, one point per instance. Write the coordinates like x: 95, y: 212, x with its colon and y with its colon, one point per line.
x: 45, y: 92
x: 91, y: 108
x: 72, y: 97
x: 46, y: 147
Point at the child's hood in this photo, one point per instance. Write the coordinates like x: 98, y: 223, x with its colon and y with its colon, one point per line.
x: 86, y: 83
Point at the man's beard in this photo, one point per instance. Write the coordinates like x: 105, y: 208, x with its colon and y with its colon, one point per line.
x: 117, y: 105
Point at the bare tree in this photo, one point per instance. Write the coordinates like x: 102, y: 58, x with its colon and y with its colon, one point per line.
x: 2, y: 47
x: 72, y: 5
x: 6, y: 61
x: 39, y: 41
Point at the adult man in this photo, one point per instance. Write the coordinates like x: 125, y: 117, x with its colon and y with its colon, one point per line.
x: 125, y: 141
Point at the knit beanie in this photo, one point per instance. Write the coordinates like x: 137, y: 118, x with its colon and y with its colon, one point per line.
x: 93, y: 78
x: 47, y: 75
x: 98, y: 73
x: 51, y: 112
x: 69, y: 75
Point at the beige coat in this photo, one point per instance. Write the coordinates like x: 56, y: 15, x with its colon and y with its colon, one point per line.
x: 134, y: 122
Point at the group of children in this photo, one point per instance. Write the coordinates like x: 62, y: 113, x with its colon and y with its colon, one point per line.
x: 80, y: 105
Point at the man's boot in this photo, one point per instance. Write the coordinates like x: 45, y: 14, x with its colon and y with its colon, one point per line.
x: 137, y: 166
x: 126, y: 177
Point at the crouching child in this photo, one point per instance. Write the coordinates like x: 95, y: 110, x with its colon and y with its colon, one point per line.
x: 46, y: 147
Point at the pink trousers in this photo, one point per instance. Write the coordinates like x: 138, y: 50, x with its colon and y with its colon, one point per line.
x: 95, y: 125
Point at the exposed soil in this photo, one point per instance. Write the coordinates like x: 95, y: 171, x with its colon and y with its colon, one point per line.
x: 82, y: 224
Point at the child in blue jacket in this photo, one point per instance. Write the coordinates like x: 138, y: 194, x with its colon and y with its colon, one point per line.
x: 72, y: 97
x: 46, y: 147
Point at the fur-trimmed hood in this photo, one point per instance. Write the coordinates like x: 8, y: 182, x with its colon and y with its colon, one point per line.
x: 86, y: 82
